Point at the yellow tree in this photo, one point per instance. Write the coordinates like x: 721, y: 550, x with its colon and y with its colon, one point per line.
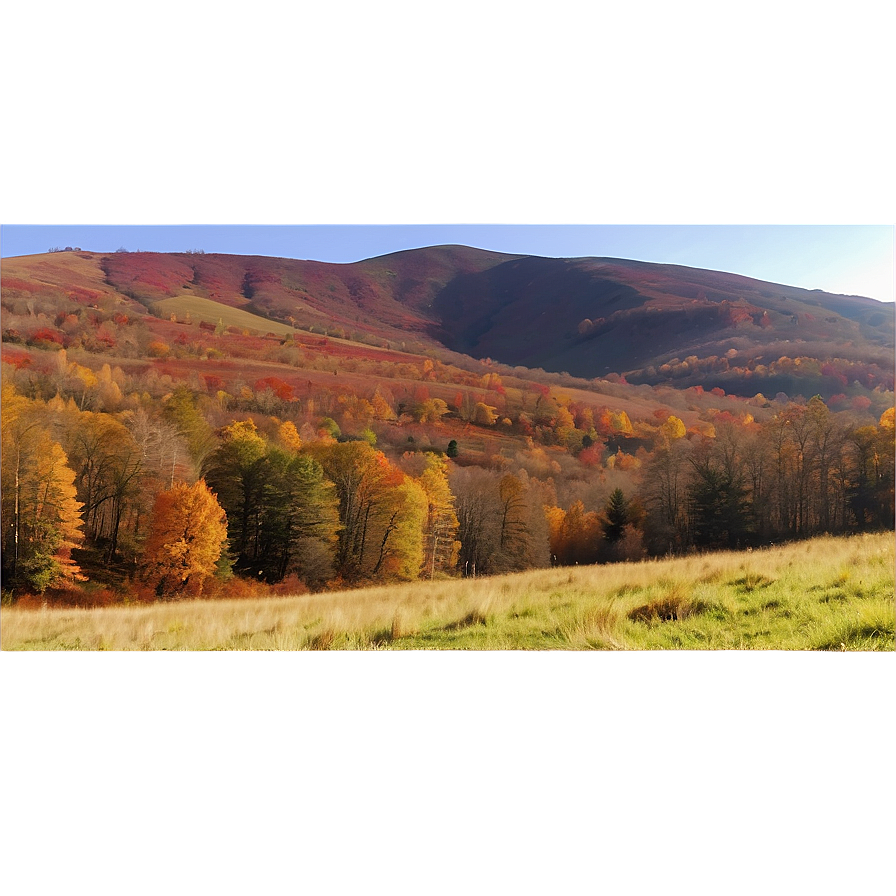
x: 672, y: 429
x: 41, y: 513
x: 189, y: 532
x: 402, y: 518
x: 288, y: 436
x: 440, y: 544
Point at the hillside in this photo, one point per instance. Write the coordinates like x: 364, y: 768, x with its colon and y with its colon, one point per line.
x: 592, y: 317
x: 327, y: 413
x: 589, y: 317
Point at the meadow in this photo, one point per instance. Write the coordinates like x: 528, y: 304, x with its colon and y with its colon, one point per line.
x: 823, y: 594
x: 198, y: 309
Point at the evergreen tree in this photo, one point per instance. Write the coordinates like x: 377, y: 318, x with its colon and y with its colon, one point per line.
x: 616, y: 513
x: 237, y: 472
x: 298, y: 506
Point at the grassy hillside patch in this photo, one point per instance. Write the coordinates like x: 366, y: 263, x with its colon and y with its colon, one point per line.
x: 823, y: 594
x: 200, y: 309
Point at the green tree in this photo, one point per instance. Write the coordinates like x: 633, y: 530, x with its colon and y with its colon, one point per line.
x: 182, y: 410
x: 718, y: 506
x: 299, y: 518
x: 616, y: 512
x: 236, y: 472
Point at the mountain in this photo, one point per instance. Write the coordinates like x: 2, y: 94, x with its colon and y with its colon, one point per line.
x: 594, y: 316
x: 589, y: 317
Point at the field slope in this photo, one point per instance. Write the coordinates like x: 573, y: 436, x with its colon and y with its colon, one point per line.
x: 824, y: 594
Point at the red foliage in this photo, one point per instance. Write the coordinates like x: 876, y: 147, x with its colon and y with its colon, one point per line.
x: 21, y: 285
x: 282, y: 390
x: 83, y: 296
x: 45, y: 334
x: 213, y: 382
x: 148, y: 272
x: 17, y: 359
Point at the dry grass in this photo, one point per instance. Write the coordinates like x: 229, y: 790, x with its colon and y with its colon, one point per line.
x: 826, y: 593
x: 208, y: 310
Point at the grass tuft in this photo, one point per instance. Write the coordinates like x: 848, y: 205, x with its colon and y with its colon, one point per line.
x: 753, y: 581
x: 323, y: 640
x: 676, y: 604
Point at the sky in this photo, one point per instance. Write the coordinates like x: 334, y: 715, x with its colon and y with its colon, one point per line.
x: 752, y: 137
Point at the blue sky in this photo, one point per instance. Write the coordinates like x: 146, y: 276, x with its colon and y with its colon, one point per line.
x: 341, y: 130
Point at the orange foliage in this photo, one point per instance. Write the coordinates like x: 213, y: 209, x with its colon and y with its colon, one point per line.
x: 189, y: 531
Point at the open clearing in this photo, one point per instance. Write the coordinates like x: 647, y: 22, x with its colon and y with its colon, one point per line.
x: 823, y: 594
x: 200, y: 309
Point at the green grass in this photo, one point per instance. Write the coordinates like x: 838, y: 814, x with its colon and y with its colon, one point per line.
x: 823, y: 594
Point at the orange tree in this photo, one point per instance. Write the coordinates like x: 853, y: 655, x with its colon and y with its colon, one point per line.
x: 189, y: 533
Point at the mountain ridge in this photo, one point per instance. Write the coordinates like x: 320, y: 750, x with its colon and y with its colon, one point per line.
x: 590, y: 316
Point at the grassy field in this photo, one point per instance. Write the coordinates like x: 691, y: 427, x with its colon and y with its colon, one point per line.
x: 823, y: 594
x: 201, y: 309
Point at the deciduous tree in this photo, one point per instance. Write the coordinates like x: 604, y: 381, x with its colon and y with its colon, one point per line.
x: 189, y: 533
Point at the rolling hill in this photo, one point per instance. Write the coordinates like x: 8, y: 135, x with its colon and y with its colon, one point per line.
x: 538, y: 396
x: 589, y: 317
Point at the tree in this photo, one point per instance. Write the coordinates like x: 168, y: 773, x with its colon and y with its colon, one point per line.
x: 431, y: 410
x: 182, y: 410
x: 484, y: 414
x: 616, y: 513
x: 400, y: 546
x: 189, y: 533
x: 664, y: 490
x: 299, y: 519
x: 41, y: 513
x: 575, y: 535
x: 514, y: 539
x: 108, y: 462
x: 718, y: 504
x: 382, y: 512
x: 440, y: 543
x: 236, y: 473
x: 672, y: 429
x: 478, y: 513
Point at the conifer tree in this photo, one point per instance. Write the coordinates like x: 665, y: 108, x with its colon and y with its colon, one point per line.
x: 617, y: 516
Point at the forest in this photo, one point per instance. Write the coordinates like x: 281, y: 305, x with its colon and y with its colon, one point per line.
x: 158, y: 444
x: 112, y: 492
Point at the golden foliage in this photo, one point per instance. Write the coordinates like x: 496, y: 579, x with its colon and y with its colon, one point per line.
x: 189, y: 531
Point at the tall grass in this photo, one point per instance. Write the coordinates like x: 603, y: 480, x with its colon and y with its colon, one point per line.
x: 823, y: 594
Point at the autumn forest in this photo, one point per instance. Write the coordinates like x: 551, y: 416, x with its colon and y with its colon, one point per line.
x: 196, y: 426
